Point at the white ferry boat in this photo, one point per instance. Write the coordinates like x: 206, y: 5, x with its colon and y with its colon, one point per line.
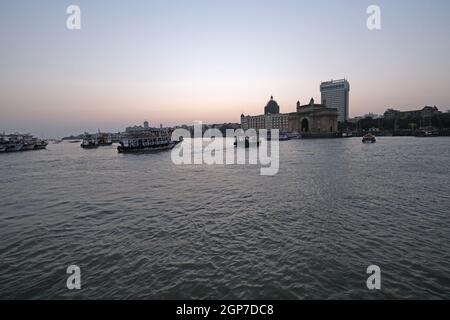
x: 90, y: 141
x: 148, y: 140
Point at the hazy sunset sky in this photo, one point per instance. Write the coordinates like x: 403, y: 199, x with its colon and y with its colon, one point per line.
x: 173, y: 62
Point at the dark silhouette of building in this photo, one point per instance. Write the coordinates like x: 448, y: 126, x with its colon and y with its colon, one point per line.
x: 272, y: 107
x: 426, y: 112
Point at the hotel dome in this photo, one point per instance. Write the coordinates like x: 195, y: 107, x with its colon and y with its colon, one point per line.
x: 272, y: 107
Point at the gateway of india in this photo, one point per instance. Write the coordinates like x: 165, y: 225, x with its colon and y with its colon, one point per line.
x: 312, y: 118
x: 309, y: 118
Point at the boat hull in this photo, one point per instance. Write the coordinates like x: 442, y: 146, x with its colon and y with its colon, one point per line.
x: 122, y: 149
x: 86, y: 146
x: 369, y: 138
x: 247, y: 144
x: 14, y: 148
x: 28, y: 147
x: 40, y: 147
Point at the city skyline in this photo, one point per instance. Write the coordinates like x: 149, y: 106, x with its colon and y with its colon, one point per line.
x: 173, y: 63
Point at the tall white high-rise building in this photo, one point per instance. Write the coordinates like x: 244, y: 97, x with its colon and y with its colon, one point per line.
x: 335, y: 94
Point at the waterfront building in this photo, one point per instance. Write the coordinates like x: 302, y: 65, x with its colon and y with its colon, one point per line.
x: 138, y: 128
x: 271, y: 119
x: 355, y: 119
x: 426, y: 112
x: 335, y: 94
x: 313, y: 118
x: 372, y: 115
x: 279, y: 121
x: 310, y: 118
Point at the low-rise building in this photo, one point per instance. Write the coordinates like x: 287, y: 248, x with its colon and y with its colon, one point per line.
x: 426, y: 112
x: 268, y: 120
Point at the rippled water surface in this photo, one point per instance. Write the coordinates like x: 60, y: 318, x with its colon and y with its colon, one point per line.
x: 140, y: 227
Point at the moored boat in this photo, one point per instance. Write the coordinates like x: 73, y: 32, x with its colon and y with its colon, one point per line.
x: 427, y: 133
x: 89, y: 141
x: 20, y: 142
x: 294, y: 135
x: 104, y: 139
x: 3, y: 143
x: 14, y: 147
x: 347, y: 134
x: 13, y: 142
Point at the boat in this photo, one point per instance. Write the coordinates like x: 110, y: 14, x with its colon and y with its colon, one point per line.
x: 369, y: 138
x: 40, y: 144
x: 29, y: 142
x: 104, y: 139
x: 347, y: 134
x: 74, y: 141
x: 246, y: 142
x: 20, y: 142
x: 27, y: 146
x: 427, y: 133
x: 3, y: 143
x: 147, y: 140
x: 294, y: 135
x: 13, y: 142
x: 14, y: 147
x: 90, y: 141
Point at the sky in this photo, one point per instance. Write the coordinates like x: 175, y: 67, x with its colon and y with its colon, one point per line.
x: 175, y: 62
